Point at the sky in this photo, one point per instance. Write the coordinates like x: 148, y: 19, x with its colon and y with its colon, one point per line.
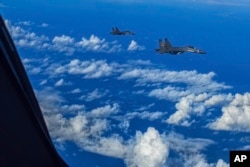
x: 113, y: 101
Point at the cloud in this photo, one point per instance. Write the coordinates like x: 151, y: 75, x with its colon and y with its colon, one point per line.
x: 24, y: 38
x: 198, y: 92
x: 134, y: 46
x: 240, y: 3
x: 104, y: 111
x: 221, y: 163
x: 44, y: 25
x: 79, y: 127
x: 83, y: 128
x: 15, y: 31
x: 96, y: 44
x: 145, y: 115
x: 110, y: 146
x: 34, y: 70
x: 188, y: 105
x: 63, y: 39
x: 25, y: 23
x: 194, y: 104
x: 59, y: 82
x: 43, y: 82
x: 89, y: 69
x: 198, y: 160
x: 35, y: 66
x: 87, y: 130
x: 63, y: 44
x: 142, y: 108
x: 72, y: 108
x: 49, y: 100
x: 140, y: 62
x: 182, y: 114
x: 75, y: 91
x: 179, y: 143
x: 219, y: 99
x: 189, y: 151
x: 246, y: 147
x: 31, y: 39
x: 96, y: 94
x: 235, y: 116
x: 204, y: 81
x: 149, y: 150
x: 2, y: 5
x: 59, y: 43
x: 169, y: 93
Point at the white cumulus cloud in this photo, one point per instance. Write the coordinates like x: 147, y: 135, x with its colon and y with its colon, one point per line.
x: 235, y: 116
x: 96, y: 44
x: 134, y: 46
x: 105, y: 111
x: 149, y: 150
x: 88, y: 68
x: 60, y: 43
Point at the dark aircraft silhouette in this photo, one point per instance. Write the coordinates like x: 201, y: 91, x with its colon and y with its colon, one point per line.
x: 166, y: 47
x: 25, y: 139
x: 116, y: 31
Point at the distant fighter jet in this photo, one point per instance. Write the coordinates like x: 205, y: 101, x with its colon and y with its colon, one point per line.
x: 166, y: 47
x: 116, y: 31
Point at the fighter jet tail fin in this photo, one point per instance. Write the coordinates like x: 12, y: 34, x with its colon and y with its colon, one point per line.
x: 116, y: 29
x: 161, y: 44
x: 167, y: 44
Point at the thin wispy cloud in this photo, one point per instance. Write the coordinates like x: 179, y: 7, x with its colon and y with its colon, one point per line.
x: 76, y: 91
x: 238, y: 3
x: 2, y: 5
x: 44, y: 25
x: 95, y: 94
x: 25, y: 23
x: 59, y: 82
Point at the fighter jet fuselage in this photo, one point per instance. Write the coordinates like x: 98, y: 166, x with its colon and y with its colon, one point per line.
x: 116, y: 31
x: 166, y: 47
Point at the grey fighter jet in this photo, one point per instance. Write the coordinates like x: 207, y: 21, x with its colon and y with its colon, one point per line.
x: 166, y: 47
x: 116, y: 31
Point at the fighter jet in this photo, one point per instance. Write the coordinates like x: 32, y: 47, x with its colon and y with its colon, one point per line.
x: 166, y: 47
x: 116, y: 31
